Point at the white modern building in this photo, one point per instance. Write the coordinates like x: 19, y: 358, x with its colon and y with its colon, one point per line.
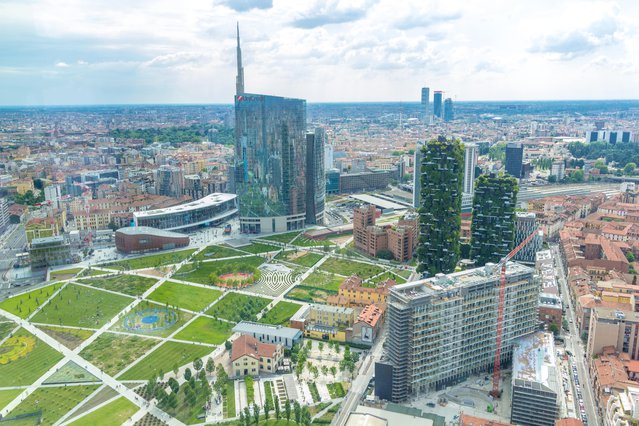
x: 558, y: 169
x: 417, y: 175
x: 210, y: 210
x: 52, y: 195
x: 471, y: 152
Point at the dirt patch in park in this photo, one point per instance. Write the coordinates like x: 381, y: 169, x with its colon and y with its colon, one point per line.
x: 159, y: 272
x: 293, y: 256
x: 236, y: 276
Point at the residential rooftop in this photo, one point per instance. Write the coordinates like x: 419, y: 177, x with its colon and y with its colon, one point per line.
x: 249, y: 327
x: 534, y: 360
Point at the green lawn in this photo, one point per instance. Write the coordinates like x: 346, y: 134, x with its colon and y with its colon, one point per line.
x: 69, y: 337
x: 282, y: 238
x: 201, y: 273
x: 6, y: 396
x: 327, y: 282
x: 183, y: 317
x: 350, y: 267
x: 154, y: 260
x: 81, y: 306
x: 206, y: 330
x: 230, y: 400
x: 217, y: 252
x: 309, y: 294
x: 387, y: 276
x: 302, y: 241
x: 303, y: 259
x: 53, y: 401
x: 128, y: 284
x: 24, y: 304
x: 165, y: 358
x: 336, y: 390
x: 5, y: 328
x: 128, y: 349
x: 258, y: 248
x: 116, y: 412
x: 89, y: 272
x: 280, y: 313
x: 404, y: 273
x: 184, y: 296
x: 71, y: 272
x: 237, y: 307
x: 27, y: 369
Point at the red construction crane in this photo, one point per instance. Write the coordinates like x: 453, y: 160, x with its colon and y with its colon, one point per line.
x: 500, y: 310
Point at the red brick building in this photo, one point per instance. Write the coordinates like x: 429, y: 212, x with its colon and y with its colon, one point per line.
x: 139, y: 239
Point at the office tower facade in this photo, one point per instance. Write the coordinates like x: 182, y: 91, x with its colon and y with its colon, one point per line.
x: 426, y: 104
x: 315, y: 176
x: 471, y: 151
x: 52, y: 195
x: 443, y: 329
x: 169, y: 181
x: 193, y: 187
x: 4, y: 215
x: 438, y: 97
x: 514, y: 159
x: 448, y: 110
x: 525, y: 224
x: 270, y: 159
x: 329, y: 152
x: 417, y: 176
x: 442, y: 171
x: 493, y: 224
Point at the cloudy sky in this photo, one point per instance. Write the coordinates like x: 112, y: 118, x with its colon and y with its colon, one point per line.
x: 183, y: 51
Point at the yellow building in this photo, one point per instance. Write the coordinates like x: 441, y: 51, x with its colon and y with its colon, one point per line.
x: 331, y: 316
x: 324, y: 333
x: 42, y: 228
x: 352, y: 292
x: 250, y: 356
x: 99, y: 219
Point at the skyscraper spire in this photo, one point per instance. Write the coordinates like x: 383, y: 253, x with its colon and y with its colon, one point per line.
x: 239, y: 80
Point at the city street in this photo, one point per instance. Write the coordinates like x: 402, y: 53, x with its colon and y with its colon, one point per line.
x: 575, y: 345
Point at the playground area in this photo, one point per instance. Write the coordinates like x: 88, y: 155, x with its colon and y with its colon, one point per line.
x: 150, y: 320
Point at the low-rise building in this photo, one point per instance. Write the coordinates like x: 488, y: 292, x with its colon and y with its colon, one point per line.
x: 49, y: 251
x: 623, y: 409
x: 267, y: 333
x: 139, y: 239
x: 368, y: 324
x: 353, y: 292
x: 331, y: 316
x: 250, y: 357
x: 613, y: 328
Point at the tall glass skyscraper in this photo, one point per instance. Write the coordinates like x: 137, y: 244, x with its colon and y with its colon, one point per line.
x: 438, y: 97
x: 315, y: 176
x: 426, y: 104
x: 270, y: 159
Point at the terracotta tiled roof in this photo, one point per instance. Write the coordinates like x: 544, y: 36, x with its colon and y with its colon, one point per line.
x: 250, y: 346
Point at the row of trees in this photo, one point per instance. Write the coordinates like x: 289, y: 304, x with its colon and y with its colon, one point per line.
x: 178, y: 134
x: 620, y: 153
x: 299, y: 413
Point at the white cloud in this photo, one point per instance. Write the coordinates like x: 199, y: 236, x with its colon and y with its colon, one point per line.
x: 62, y: 65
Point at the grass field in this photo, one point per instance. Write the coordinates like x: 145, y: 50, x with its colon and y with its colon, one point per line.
x: 258, y: 248
x: 165, y: 358
x: 336, y: 390
x: 217, y: 252
x: 27, y: 369
x: 5, y: 328
x: 89, y: 272
x: 132, y: 285
x: 303, y: 259
x: 54, y: 401
x: 81, y: 306
x: 350, y: 267
x: 24, y: 304
x: 116, y: 412
x: 282, y: 238
x: 327, y: 282
x: 309, y: 294
x: 71, y: 272
x: 69, y: 337
x: 237, y: 307
x: 153, y: 260
x: 206, y: 330
x: 6, y: 396
x: 387, y: 276
x: 183, y: 317
x: 302, y: 241
x: 404, y: 273
x: 280, y: 313
x: 184, y: 296
x: 201, y: 273
x: 128, y: 349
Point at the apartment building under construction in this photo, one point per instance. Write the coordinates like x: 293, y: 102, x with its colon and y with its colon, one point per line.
x: 442, y: 329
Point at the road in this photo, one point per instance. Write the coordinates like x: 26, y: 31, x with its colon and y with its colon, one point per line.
x: 359, y: 385
x: 575, y: 345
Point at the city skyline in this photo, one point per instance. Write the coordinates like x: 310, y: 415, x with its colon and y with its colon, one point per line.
x: 73, y: 54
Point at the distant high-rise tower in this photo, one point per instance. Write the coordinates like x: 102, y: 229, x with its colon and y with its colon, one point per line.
x: 448, y: 110
x: 438, y: 96
x: 315, y: 176
x: 514, y: 159
x: 270, y: 160
x: 169, y: 181
x: 329, y: 151
x: 426, y: 104
x: 239, y: 79
x: 470, y: 161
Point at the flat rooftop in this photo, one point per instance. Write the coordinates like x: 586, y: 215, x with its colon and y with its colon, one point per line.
x: 249, y: 327
x: 616, y: 315
x: 534, y: 360
x: 147, y: 230
x: 379, y: 202
x: 468, y: 278
x: 208, y: 201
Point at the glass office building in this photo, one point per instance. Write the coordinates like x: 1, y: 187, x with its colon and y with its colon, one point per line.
x: 270, y: 162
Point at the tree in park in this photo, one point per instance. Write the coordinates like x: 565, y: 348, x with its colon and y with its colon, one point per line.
x: 629, y: 168
x: 297, y: 409
x: 267, y: 408
x: 174, y: 385
x: 247, y: 416
x: 277, y: 408
x: 333, y: 371
x: 210, y: 365
x: 197, y: 364
x: 324, y: 370
x: 256, y: 413
x: 187, y: 374
x: 321, y: 346
x: 306, y: 416
x: 287, y: 410
x: 242, y: 418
